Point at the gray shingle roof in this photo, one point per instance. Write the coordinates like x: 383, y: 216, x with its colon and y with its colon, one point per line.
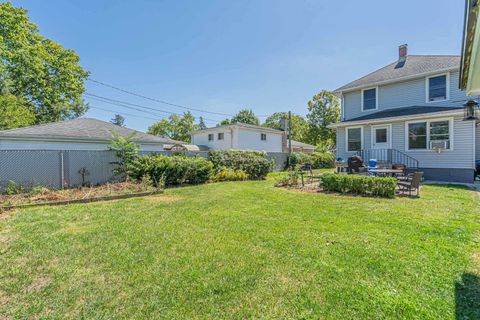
x: 82, y: 128
x: 405, y: 111
x: 302, y: 144
x: 241, y: 125
x: 414, y: 65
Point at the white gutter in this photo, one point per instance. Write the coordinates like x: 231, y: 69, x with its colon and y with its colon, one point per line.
x: 399, y: 118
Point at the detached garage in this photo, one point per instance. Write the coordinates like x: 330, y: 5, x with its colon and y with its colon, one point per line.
x: 77, y: 134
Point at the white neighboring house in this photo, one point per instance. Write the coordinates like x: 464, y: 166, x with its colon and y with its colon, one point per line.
x: 240, y: 136
x: 77, y: 134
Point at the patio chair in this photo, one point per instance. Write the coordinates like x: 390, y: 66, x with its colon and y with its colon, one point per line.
x: 411, y: 183
x: 311, y: 177
x: 372, y: 164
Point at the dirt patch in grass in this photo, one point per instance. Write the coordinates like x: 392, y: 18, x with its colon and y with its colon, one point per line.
x: 162, y: 198
x: 39, y: 283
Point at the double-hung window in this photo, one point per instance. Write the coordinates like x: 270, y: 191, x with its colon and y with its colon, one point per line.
x: 354, y: 139
x: 221, y: 135
x: 263, y: 136
x: 369, y: 99
x: 210, y: 137
x: 422, y: 134
x: 437, y: 88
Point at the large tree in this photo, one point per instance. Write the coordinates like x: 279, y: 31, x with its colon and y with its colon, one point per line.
x: 39, y: 70
x: 175, y: 127
x: 15, y: 112
x: 299, y: 124
x: 246, y: 116
x: 323, y: 110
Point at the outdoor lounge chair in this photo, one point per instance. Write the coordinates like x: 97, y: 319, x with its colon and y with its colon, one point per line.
x: 411, y: 183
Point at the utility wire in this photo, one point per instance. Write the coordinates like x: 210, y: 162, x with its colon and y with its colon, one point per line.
x: 137, y: 107
x: 123, y: 113
x: 157, y: 100
x: 163, y: 101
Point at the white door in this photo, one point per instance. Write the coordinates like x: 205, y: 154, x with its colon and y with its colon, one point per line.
x: 381, y: 137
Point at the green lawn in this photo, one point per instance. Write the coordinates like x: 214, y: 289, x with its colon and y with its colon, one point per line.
x: 245, y: 250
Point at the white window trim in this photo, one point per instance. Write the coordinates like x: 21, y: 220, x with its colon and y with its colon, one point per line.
x: 428, y: 121
x: 389, y: 134
x: 427, y: 87
x: 361, y: 138
x: 376, y: 98
x: 218, y: 135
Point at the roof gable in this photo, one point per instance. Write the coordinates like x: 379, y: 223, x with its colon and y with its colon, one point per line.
x: 415, y: 65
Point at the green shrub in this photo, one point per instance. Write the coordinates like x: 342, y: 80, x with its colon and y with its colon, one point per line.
x: 318, y: 160
x: 373, y: 186
x: 229, y: 175
x: 291, y: 179
x: 13, y: 188
x: 173, y: 170
x: 254, y: 163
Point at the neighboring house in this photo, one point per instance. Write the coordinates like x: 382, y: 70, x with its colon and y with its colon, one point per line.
x: 298, y: 146
x: 411, y: 112
x: 77, y: 134
x: 470, y: 66
x: 241, y: 136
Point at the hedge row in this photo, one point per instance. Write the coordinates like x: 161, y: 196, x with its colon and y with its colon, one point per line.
x: 174, y: 170
x: 373, y: 186
x: 220, y: 166
x: 254, y: 163
x: 318, y: 160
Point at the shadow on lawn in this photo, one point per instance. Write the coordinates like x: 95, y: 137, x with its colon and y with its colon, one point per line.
x: 467, y: 297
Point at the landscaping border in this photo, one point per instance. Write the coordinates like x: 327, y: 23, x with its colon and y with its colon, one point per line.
x: 87, y: 200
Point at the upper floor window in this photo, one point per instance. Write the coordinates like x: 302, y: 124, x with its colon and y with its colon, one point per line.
x: 354, y: 139
x: 263, y: 136
x: 210, y: 137
x: 221, y: 135
x: 369, y: 99
x: 437, y: 88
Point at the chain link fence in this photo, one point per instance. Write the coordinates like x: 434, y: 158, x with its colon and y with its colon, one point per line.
x: 57, y: 169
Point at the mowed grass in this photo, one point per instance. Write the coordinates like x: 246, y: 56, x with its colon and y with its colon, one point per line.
x: 241, y: 250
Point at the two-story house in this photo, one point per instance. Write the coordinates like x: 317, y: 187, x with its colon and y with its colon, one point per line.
x: 411, y: 112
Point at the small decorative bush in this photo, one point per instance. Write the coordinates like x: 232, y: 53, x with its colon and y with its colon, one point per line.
x: 372, y: 186
x: 229, y: 175
x: 173, y: 170
x: 318, y: 160
x: 291, y: 179
x: 254, y: 163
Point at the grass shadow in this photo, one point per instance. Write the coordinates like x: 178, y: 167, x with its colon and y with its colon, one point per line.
x: 467, y: 297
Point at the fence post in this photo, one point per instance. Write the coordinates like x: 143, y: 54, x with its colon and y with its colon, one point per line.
x: 62, y: 169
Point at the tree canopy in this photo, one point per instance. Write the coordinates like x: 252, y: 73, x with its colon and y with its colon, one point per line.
x: 175, y: 127
x: 118, y: 120
x: 38, y: 70
x: 15, y: 112
x: 299, y: 124
x: 246, y: 116
x: 323, y: 110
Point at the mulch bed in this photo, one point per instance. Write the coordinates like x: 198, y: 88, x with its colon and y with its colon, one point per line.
x: 47, y: 197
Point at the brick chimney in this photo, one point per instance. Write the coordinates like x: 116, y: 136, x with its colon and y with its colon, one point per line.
x: 402, y: 52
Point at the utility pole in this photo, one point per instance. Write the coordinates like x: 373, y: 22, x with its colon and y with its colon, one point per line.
x: 290, y: 132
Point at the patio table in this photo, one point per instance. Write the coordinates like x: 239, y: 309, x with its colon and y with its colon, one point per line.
x: 386, y: 172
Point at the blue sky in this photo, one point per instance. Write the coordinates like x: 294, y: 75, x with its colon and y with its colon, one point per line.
x: 222, y: 56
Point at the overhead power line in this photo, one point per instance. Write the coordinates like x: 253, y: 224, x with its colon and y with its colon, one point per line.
x: 137, y: 107
x: 157, y: 100
x: 163, y: 101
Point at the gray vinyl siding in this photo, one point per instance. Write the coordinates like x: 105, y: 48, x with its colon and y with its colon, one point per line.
x: 462, y: 155
x: 402, y: 94
x: 477, y: 145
